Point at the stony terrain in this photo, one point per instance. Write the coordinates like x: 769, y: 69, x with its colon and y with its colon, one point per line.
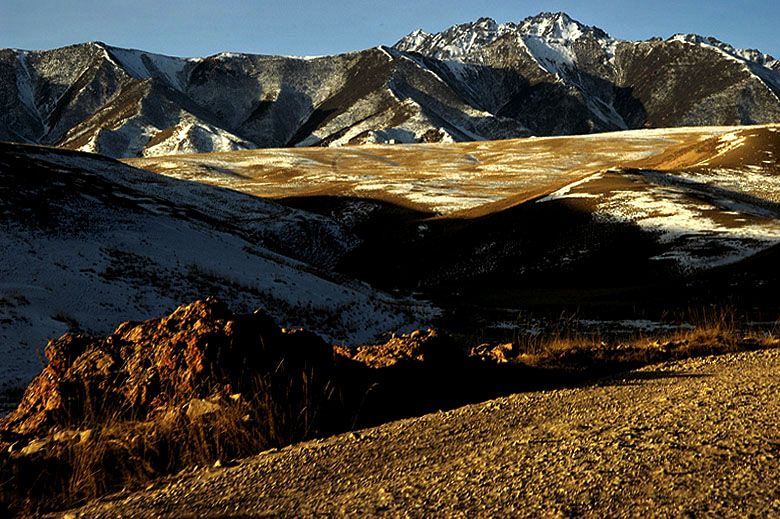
x: 546, y: 75
x: 695, y: 438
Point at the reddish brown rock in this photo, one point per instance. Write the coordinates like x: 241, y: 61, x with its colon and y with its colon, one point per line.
x: 500, y: 353
x: 203, y: 357
x: 430, y: 347
x: 201, y: 350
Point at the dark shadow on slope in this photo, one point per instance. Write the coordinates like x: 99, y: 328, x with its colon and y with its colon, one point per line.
x: 35, y: 184
x: 728, y: 199
x: 540, y: 258
x: 751, y: 285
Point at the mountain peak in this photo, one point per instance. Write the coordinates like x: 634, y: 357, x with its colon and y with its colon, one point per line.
x: 455, y: 41
x: 558, y: 26
x: 460, y: 40
x: 488, y: 23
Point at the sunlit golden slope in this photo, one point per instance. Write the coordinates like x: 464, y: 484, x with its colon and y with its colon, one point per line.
x: 754, y: 147
x: 596, y: 221
x: 442, y: 178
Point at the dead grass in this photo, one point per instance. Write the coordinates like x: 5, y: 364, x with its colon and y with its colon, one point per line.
x: 69, y: 471
x: 571, y: 346
x: 471, y: 174
x: 94, y: 458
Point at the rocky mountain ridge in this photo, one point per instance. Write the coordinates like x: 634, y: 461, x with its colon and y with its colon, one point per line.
x: 547, y: 75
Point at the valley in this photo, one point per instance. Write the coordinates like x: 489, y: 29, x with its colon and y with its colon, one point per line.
x: 354, y: 242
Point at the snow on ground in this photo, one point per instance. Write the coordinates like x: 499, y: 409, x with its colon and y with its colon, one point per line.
x: 565, y: 192
x: 142, y: 64
x: 706, y: 219
x: 129, y: 245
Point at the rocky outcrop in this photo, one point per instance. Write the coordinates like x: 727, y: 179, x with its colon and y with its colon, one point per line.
x: 431, y: 347
x: 144, y: 370
x: 203, y: 357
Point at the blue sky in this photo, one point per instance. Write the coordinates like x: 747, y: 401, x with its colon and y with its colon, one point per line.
x: 309, y: 27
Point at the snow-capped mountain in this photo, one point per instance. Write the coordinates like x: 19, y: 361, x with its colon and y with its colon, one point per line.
x: 124, y: 103
x: 555, y: 75
x: 546, y: 75
x: 461, y: 40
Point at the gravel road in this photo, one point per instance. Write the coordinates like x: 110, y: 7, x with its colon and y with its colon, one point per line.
x: 697, y: 438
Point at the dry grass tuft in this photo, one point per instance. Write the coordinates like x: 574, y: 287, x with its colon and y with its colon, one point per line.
x: 710, y: 331
x: 74, y: 465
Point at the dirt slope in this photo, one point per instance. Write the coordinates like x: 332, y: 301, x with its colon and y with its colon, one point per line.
x: 697, y: 438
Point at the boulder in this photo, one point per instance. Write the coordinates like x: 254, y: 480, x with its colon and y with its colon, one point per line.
x: 430, y: 347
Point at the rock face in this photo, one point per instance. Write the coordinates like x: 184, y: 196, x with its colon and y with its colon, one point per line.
x: 200, y: 351
x: 547, y: 75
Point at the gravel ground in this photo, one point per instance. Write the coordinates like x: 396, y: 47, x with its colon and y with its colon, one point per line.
x: 697, y: 438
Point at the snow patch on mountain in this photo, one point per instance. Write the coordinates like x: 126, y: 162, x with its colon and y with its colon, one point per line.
x: 145, y: 65
x: 25, y: 88
x: 552, y: 55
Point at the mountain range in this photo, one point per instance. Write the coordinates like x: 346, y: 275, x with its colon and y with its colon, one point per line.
x: 547, y: 75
